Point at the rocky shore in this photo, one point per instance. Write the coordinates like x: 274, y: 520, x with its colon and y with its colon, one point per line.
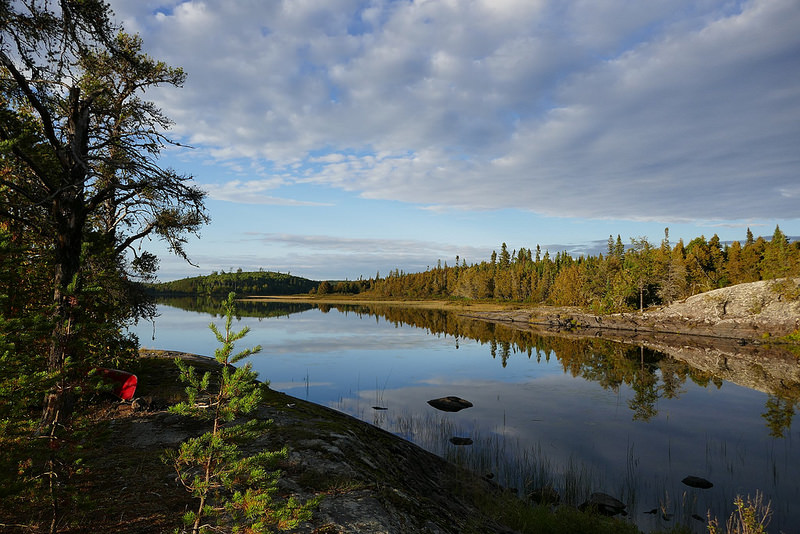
x: 736, y: 333
x: 749, y: 312
x: 371, y: 481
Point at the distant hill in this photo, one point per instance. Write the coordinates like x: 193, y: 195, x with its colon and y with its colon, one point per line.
x: 243, y: 283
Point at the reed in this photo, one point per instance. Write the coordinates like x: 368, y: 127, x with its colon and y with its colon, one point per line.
x: 510, y: 463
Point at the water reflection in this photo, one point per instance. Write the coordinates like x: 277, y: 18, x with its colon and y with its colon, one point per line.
x: 632, y: 419
x: 651, y: 374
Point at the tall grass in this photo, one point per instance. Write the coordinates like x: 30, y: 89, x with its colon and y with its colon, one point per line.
x: 504, y: 459
x: 653, y: 502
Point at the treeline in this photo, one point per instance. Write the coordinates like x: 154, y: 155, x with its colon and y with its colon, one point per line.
x: 244, y: 308
x: 242, y: 283
x: 635, y: 275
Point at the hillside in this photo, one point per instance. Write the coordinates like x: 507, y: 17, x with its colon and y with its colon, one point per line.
x: 243, y: 283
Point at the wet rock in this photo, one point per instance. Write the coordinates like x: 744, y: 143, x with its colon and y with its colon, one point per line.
x: 450, y: 404
x: 380, y: 408
x: 545, y: 496
x: 697, y: 482
x: 604, y: 504
x: 460, y: 441
x: 699, y: 518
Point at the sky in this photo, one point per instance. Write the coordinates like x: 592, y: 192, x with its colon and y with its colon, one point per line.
x: 344, y: 138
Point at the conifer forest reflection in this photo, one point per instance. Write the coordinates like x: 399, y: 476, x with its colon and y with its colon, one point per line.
x: 581, y: 414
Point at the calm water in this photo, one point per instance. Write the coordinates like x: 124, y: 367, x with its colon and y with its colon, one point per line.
x: 590, y: 414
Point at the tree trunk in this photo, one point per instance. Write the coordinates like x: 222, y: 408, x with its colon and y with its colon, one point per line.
x: 69, y: 216
x: 68, y: 213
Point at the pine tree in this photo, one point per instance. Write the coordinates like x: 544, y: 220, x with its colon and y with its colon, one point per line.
x: 212, y: 467
x: 776, y: 262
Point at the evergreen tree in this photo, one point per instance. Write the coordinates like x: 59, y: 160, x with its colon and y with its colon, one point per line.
x: 79, y: 152
x: 776, y: 262
x: 212, y: 467
x: 505, y: 257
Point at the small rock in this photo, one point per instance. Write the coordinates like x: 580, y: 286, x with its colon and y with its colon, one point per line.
x: 461, y: 441
x: 450, y: 404
x: 652, y: 512
x: 697, y: 482
x: 604, y: 503
x: 699, y: 517
x: 380, y: 408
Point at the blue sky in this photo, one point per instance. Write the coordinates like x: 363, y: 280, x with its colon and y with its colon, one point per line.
x: 343, y: 138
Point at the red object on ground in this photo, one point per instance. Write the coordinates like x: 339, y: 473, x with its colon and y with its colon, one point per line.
x: 123, y: 382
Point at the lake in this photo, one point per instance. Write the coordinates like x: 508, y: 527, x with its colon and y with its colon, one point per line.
x: 581, y: 415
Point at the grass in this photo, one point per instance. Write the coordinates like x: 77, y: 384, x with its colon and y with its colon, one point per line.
x: 526, y: 469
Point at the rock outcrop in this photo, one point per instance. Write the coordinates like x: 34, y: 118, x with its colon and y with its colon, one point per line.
x: 731, y: 333
x: 744, y: 311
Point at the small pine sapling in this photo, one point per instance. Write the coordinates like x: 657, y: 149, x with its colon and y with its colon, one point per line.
x: 231, y: 488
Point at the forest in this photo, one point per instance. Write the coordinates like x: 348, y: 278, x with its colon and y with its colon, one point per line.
x: 631, y: 276
x: 243, y: 283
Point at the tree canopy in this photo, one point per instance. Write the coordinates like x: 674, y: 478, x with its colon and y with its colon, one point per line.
x: 80, y: 181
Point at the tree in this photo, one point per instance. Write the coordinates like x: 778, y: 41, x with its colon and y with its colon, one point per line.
x: 505, y: 257
x: 639, y: 265
x: 79, y: 148
x: 211, y: 466
x: 776, y: 262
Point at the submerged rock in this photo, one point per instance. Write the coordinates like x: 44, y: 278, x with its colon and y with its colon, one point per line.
x: 460, y: 441
x: 450, y: 404
x: 697, y: 482
x: 604, y: 503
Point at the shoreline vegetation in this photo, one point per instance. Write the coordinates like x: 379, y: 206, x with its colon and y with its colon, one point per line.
x: 634, y: 277
x: 756, y: 312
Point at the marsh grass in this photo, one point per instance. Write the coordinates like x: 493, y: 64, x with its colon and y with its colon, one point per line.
x: 505, y: 459
x: 657, y: 505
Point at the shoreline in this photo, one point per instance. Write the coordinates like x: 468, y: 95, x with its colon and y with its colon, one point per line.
x: 750, y: 313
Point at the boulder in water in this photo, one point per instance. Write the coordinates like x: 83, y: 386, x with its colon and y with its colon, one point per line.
x: 450, y: 404
x: 697, y: 482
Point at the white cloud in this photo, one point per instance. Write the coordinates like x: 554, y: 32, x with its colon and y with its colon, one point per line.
x: 669, y: 110
x: 252, y: 192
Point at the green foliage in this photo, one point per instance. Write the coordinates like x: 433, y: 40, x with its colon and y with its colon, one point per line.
x: 750, y: 517
x: 233, y: 489
x: 247, y: 308
x: 523, y: 517
x: 80, y: 182
x: 786, y: 288
x: 794, y: 337
x: 627, y: 278
x: 248, y: 283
